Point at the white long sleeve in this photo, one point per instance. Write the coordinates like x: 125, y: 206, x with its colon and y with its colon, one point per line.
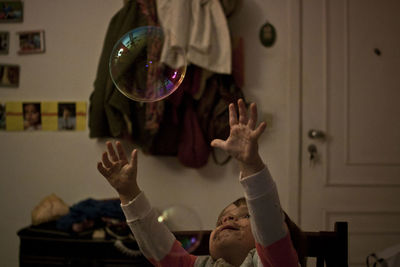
x: 264, y: 206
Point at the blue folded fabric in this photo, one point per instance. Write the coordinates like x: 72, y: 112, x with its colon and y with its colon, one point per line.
x: 90, y: 209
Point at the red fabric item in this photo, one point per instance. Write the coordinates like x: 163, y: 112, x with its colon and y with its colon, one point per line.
x: 193, y: 151
x: 238, y: 61
x: 190, y: 85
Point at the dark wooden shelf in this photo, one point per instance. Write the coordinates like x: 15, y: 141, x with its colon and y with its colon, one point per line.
x: 44, y: 247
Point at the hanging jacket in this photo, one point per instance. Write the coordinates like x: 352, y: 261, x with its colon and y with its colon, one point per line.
x: 108, y: 107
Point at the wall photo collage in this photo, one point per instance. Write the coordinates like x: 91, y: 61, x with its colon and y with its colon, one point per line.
x: 29, y: 42
x: 30, y: 116
x: 43, y: 116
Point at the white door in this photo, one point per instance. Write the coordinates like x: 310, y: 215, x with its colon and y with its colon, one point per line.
x: 351, y: 93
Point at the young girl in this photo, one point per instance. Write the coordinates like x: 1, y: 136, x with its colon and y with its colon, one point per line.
x: 32, y: 116
x: 250, y: 232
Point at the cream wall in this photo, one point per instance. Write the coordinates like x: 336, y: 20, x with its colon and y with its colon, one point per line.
x: 36, y: 164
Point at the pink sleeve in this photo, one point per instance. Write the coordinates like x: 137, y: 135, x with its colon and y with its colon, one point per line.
x: 280, y: 253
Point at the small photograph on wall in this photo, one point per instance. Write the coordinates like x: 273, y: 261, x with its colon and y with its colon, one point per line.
x: 9, y: 75
x: 32, y: 116
x: 11, y: 11
x: 66, y: 116
x: 2, y: 116
x: 4, y: 42
x: 31, y: 42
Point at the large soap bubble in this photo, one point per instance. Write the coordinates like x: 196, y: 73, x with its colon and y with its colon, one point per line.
x: 142, y: 69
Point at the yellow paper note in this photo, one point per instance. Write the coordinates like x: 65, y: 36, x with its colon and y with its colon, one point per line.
x: 81, y: 111
x: 49, y: 116
x: 14, y: 117
x: 2, y: 116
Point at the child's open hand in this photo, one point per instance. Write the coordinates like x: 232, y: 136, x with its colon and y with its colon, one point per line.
x: 119, y: 172
x: 242, y: 142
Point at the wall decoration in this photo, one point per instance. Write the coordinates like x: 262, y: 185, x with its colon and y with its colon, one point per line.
x: 32, y: 116
x: 11, y: 11
x: 4, y: 42
x: 81, y: 114
x: 2, y: 116
x: 31, y: 42
x: 9, y: 75
x: 66, y: 116
x: 45, y: 116
x: 49, y: 116
x: 14, y: 117
x: 267, y: 34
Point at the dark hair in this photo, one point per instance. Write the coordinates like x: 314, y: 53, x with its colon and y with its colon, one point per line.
x: 296, y: 234
x: 298, y: 239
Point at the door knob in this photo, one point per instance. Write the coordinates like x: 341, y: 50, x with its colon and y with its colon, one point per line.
x: 316, y: 134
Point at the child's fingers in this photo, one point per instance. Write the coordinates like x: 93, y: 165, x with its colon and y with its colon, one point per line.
x: 106, y: 161
x: 121, y: 151
x: 253, y: 116
x: 232, y: 115
x: 133, y: 161
x: 102, y: 170
x: 218, y: 143
x: 242, y: 112
x: 111, y: 151
x: 260, y: 129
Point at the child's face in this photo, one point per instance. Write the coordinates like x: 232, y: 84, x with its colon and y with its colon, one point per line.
x: 66, y: 113
x: 32, y: 115
x: 233, y: 232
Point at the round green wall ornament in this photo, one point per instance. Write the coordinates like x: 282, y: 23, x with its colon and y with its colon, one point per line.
x: 267, y: 35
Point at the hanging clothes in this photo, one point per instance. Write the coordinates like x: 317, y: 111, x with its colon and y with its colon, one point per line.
x: 201, y: 29
x: 172, y: 126
x: 111, y: 114
x: 108, y: 106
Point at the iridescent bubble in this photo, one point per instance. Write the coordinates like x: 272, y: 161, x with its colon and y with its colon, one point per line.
x: 185, y: 223
x: 143, y: 69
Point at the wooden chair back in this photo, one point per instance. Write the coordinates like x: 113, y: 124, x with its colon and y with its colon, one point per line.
x: 330, y: 248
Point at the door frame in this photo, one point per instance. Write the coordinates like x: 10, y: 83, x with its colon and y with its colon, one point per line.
x: 295, y: 108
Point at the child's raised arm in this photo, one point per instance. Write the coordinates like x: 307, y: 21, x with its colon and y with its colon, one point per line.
x: 273, y: 243
x: 155, y: 240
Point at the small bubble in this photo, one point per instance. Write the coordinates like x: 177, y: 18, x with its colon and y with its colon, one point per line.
x: 181, y: 218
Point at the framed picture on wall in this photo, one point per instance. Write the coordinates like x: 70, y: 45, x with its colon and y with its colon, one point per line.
x: 4, y: 42
x: 9, y: 75
x: 11, y: 11
x: 31, y: 42
x: 32, y: 116
x: 66, y: 116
